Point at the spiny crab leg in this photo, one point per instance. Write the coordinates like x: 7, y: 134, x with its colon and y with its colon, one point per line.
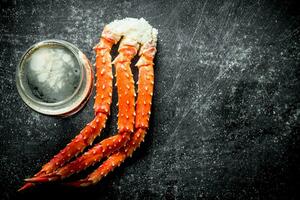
x: 125, y: 86
x: 143, y: 110
x: 102, y: 104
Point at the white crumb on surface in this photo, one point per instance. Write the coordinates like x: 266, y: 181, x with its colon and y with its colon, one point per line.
x: 136, y: 29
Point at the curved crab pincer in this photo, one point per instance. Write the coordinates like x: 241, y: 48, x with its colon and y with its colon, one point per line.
x: 133, y: 120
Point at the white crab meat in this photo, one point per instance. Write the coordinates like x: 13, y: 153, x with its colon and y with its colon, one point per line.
x: 136, y: 29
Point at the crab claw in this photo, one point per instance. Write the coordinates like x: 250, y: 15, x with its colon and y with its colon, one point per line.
x: 80, y: 183
x: 25, y: 187
x: 44, y: 178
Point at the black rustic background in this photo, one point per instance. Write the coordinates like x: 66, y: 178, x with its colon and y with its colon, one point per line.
x: 226, y: 107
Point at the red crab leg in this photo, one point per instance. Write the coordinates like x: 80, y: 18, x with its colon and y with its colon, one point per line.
x: 143, y: 109
x: 126, y: 94
x: 103, y: 100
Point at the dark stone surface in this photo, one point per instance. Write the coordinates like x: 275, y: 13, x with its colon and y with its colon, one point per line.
x: 226, y: 105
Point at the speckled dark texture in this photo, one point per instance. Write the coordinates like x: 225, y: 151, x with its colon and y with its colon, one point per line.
x: 226, y: 107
